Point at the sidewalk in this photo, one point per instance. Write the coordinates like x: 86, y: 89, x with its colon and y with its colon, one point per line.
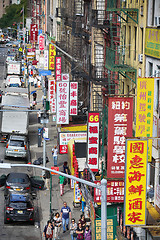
x: 43, y: 197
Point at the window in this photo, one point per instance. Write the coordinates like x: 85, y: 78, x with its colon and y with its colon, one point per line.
x: 142, y: 40
x: 129, y: 41
x: 135, y: 43
x: 150, y: 73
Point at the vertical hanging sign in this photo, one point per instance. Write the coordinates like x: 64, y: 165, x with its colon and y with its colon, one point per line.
x: 46, y: 59
x: 41, y: 43
x: 73, y: 98
x: 120, y: 120
x: 93, y: 141
x: 52, y: 94
x: 52, y: 54
x: 135, y: 182
x: 62, y: 103
x: 58, y: 68
x: 144, y: 115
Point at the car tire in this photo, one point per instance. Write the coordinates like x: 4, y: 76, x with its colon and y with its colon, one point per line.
x: 32, y: 222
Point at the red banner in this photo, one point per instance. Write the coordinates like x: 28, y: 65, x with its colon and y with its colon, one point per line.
x: 120, y: 120
x: 34, y: 33
x: 58, y: 68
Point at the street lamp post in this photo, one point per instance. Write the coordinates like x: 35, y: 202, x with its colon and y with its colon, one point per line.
x: 102, y: 187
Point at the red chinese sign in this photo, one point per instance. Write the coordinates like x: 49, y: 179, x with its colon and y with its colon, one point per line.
x: 73, y: 98
x: 93, y: 141
x: 52, y: 94
x: 135, y: 182
x: 120, y: 119
x: 62, y: 103
x: 41, y: 42
x: 34, y: 33
x: 58, y: 68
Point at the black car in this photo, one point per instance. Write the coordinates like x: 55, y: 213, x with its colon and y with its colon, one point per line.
x: 18, y: 207
x: 20, y: 183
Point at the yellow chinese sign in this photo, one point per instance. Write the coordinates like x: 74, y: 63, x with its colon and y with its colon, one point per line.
x: 52, y: 54
x: 135, y: 182
x: 152, y: 43
x: 110, y: 232
x: 144, y: 114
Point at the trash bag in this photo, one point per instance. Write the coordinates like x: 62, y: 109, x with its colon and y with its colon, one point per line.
x: 39, y: 161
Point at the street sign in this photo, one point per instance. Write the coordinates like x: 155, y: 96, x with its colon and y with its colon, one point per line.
x: 20, y: 49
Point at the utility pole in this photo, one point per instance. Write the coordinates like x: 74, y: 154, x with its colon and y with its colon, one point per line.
x: 44, y: 125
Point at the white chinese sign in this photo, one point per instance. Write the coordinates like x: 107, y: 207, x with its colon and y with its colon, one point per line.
x: 62, y: 103
x: 58, y: 68
x: 46, y: 59
x: 73, y: 98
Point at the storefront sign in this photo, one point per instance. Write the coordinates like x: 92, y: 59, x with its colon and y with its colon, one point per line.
x: 115, y: 191
x: 52, y: 95
x: 135, y: 182
x: 73, y: 98
x: 110, y: 229
x: 93, y: 141
x: 152, y: 37
x: 58, y: 68
x: 62, y: 103
x: 120, y: 120
x: 77, y: 195
x: 41, y: 43
x: 64, y: 138
x: 65, y: 76
x: 52, y: 54
x: 46, y: 59
x: 144, y: 114
x: 34, y: 33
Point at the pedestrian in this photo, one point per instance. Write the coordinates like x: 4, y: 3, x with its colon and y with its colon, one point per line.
x: 66, y: 170
x: 61, y: 184
x: 65, y: 214
x: 82, y: 220
x: 73, y: 228
x: 57, y: 225
x: 80, y: 232
x: 83, y: 203
x: 35, y: 82
x: 46, y: 176
x: 55, y: 155
x: 48, y: 231
x: 39, y: 116
x: 87, y: 233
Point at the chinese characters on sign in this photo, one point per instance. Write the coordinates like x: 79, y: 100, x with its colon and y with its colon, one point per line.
x: 110, y: 230
x: 52, y: 54
x: 62, y: 103
x: 144, y: 116
x: 120, y: 118
x: 135, y: 182
x: 52, y: 94
x: 65, y: 137
x: 93, y: 141
x: 115, y: 191
x: 73, y: 98
x: 41, y: 42
x: 46, y: 59
x: 58, y: 68
x: 65, y: 76
x: 34, y: 33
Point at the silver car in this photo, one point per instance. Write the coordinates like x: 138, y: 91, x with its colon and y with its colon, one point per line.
x: 17, y: 146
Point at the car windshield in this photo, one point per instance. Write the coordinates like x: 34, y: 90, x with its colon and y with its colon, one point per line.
x: 19, y: 205
x: 18, y: 180
x: 16, y: 143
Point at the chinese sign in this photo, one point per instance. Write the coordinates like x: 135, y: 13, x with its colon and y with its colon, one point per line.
x: 65, y: 137
x: 65, y: 76
x: 120, y: 118
x: 34, y: 33
x: 62, y: 103
x: 52, y: 94
x: 144, y: 116
x: 135, y: 182
x: 152, y: 42
x: 52, y: 54
x: 115, y: 191
x: 58, y: 68
x: 41, y: 42
x: 73, y: 98
x: 110, y: 229
x: 46, y: 59
x: 93, y: 141
x: 77, y: 195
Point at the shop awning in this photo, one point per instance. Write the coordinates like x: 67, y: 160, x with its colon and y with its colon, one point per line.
x: 43, y: 72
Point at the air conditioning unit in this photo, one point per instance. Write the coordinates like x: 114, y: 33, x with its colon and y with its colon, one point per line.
x: 140, y: 58
x: 157, y: 21
x: 157, y: 73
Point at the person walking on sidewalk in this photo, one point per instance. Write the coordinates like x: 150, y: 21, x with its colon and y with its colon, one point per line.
x: 55, y: 155
x: 80, y: 232
x: 87, y: 233
x: 73, y: 228
x: 57, y: 225
x: 65, y: 214
x: 61, y: 184
x: 46, y: 176
x: 48, y: 231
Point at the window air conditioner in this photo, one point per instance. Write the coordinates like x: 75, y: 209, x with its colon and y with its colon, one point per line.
x: 157, y: 21
x: 157, y: 73
x: 140, y: 58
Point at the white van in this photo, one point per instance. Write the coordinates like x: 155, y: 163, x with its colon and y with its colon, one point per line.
x: 13, y: 81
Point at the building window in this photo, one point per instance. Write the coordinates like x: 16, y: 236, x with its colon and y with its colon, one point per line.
x: 142, y: 40
x: 150, y: 73
x: 129, y: 41
x: 135, y: 43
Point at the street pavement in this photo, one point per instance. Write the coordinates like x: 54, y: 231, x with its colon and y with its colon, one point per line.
x: 43, y: 197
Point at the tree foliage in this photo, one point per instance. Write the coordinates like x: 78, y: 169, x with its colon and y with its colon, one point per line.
x: 13, y: 14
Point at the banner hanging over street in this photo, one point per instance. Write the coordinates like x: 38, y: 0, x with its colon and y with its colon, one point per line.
x: 135, y: 182
x: 120, y: 120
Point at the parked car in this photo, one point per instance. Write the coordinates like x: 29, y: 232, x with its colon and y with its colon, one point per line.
x: 13, y: 81
x: 17, y: 146
x: 1, y: 95
x: 18, y: 207
x: 9, y: 44
x: 20, y: 183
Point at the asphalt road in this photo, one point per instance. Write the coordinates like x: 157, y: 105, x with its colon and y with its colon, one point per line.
x: 14, y: 231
